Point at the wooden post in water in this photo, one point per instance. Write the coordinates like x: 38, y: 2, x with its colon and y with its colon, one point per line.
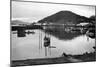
x: 49, y: 50
x: 39, y: 42
x: 45, y: 51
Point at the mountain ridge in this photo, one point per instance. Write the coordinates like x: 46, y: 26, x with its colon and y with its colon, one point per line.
x: 17, y: 22
x: 65, y: 17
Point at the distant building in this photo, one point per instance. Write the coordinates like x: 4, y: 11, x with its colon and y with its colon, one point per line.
x: 82, y: 24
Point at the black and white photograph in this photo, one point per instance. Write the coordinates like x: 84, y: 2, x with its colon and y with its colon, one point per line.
x: 52, y: 33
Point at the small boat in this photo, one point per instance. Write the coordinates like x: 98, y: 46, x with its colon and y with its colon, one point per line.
x: 46, y: 41
x: 30, y: 32
x: 91, y: 33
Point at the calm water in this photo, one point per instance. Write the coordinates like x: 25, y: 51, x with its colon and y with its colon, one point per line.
x: 28, y: 47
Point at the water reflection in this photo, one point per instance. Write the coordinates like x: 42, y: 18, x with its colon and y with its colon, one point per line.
x: 69, y: 42
x: 62, y: 34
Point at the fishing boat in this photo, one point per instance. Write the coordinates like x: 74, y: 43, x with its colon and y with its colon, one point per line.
x: 91, y: 33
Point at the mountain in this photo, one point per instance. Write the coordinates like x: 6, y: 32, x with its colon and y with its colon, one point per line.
x: 18, y: 22
x: 93, y: 19
x: 64, y: 17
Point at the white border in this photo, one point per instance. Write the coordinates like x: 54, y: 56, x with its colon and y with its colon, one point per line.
x: 5, y: 33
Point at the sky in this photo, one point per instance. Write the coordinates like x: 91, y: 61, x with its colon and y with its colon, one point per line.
x: 33, y: 12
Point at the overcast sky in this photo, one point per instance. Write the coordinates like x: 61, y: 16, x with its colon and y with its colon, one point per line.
x: 30, y: 12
